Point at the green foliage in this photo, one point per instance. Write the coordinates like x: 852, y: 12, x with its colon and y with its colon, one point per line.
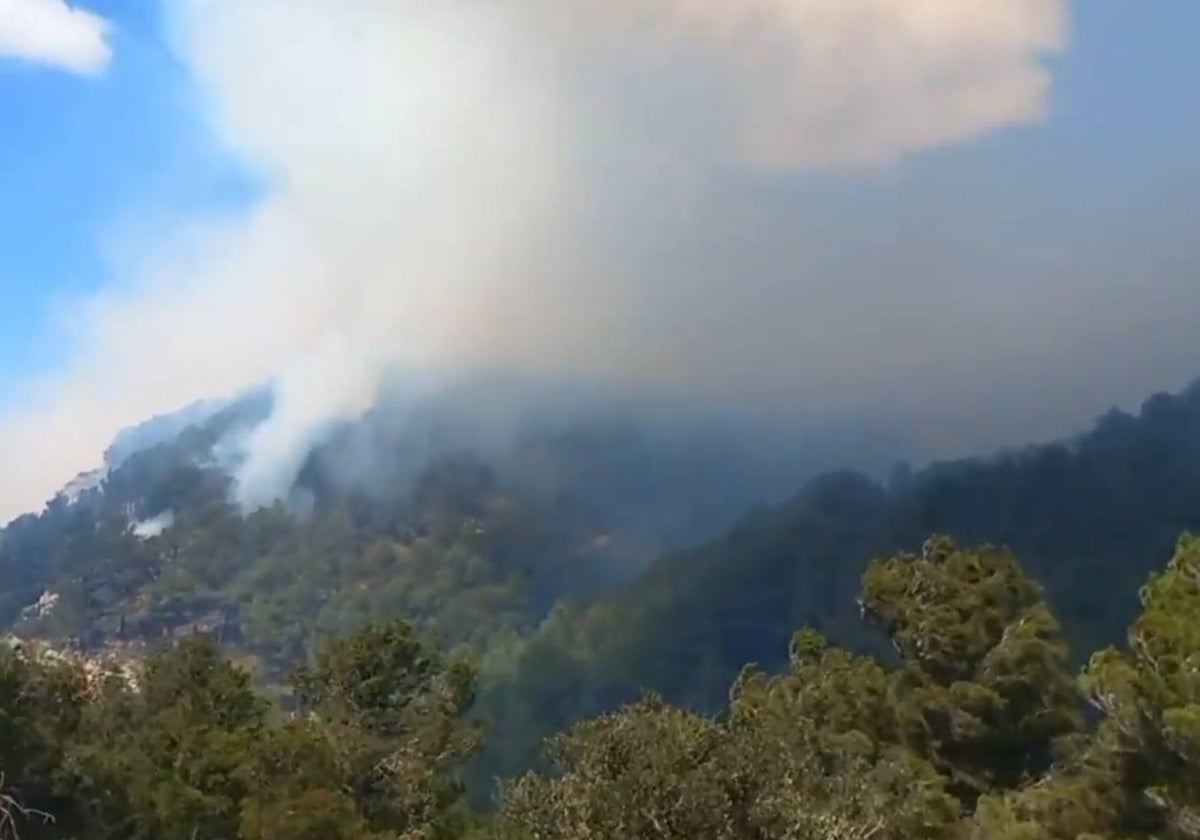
x: 395, y: 709
x: 164, y: 760
x: 690, y: 624
x: 806, y: 755
x: 985, y: 685
x: 1090, y: 519
x: 981, y: 694
x: 1150, y: 695
x: 648, y: 771
x: 839, y: 694
x: 41, y: 702
x: 824, y: 739
x: 981, y: 714
x: 974, y: 734
x: 1082, y: 796
x: 298, y: 776
x: 183, y: 746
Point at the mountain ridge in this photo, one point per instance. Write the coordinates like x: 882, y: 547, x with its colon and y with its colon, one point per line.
x: 539, y: 573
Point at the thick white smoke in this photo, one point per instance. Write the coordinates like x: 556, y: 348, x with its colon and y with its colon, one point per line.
x: 442, y: 180
x: 814, y: 83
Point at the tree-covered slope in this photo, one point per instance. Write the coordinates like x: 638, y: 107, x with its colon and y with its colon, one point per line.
x: 975, y: 730
x: 532, y: 551
x: 1091, y: 518
x: 472, y: 529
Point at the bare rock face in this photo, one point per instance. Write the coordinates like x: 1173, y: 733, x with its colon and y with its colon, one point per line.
x: 96, y: 667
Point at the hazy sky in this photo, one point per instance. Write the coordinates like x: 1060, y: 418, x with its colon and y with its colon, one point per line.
x: 972, y: 221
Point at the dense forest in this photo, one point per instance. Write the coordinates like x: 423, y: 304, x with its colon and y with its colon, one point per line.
x: 978, y: 729
x: 554, y: 576
x: 1090, y: 518
x: 467, y: 539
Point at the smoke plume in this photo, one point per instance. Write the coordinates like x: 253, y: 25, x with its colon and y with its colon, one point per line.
x: 552, y: 187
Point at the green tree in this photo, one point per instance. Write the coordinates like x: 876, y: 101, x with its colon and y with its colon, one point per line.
x: 162, y: 759
x: 298, y: 777
x: 824, y: 741
x: 984, y: 685
x: 1080, y: 798
x: 396, y: 711
x: 809, y: 755
x: 41, y: 701
x: 648, y: 771
x: 1150, y: 695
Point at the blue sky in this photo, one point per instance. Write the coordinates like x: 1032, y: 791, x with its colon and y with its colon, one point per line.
x: 80, y: 156
x: 770, y: 235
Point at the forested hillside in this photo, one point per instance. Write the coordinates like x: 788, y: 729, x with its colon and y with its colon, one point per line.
x: 977, y: 731
x: 533, y: 559
x: 471, y: 529
x: 1090, y: 517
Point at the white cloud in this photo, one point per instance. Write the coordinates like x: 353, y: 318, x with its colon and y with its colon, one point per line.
x: 54, y: 33
x: 437, y: 169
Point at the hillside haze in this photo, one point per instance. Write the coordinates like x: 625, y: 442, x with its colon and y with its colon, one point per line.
x: 499, y: 496
x: 582, y: 548
x: 622, y: 420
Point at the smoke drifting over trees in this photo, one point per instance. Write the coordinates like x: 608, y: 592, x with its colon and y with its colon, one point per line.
x: 577, y: 190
